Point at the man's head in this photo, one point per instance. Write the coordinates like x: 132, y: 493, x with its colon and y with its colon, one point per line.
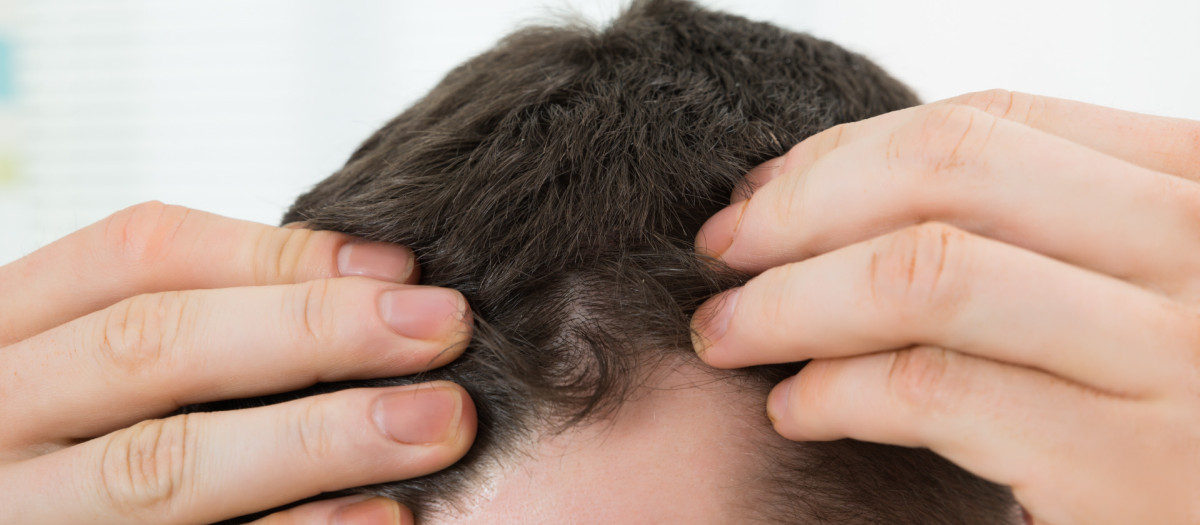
x: 558, y: 181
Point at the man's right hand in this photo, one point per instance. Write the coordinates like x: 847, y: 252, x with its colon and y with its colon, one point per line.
x: 159, y: 306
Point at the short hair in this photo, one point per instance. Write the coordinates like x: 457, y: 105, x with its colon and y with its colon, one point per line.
x: 558, y: 181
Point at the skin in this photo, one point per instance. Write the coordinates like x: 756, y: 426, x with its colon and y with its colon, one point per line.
x: 647, y: 463
x: 1006, y: 279
x: 107, y: 331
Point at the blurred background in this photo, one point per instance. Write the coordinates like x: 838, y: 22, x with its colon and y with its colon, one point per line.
x: 237, y: 106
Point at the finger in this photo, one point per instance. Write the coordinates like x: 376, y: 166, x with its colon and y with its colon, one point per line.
x: 153, y: 247
x: 1011, y: 425
x: 210, y: 466
x: 1164, y: 144
x: 352, y: 510
x: 933, y: 284
x: 961, y: 166
x: 148, y: 355
x: 757, y: 177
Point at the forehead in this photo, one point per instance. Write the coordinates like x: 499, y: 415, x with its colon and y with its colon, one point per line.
x: 680, y: 451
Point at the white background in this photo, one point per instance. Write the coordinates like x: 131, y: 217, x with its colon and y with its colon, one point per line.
x: 236, y: 106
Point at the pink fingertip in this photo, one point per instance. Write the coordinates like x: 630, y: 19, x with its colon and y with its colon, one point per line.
x: 374, y: 511
x: 423, y: 312
x: 712, y: 321
x: 777, y: 401
x: 382, y: 261
x: 758, y: 177
x: 716, y: 236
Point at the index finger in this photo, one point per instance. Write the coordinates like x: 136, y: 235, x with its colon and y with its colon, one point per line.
x: 154, y: 247
x: 1163, y: 144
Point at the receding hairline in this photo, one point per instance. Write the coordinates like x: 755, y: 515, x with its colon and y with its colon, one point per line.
x: 464, y: 177
x: 739, y: 429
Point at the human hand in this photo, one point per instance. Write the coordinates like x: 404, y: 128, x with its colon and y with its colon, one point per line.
x: 1008, y: 280
x: 157, y: 307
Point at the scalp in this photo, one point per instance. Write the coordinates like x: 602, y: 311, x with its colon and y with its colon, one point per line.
x: 558, y: 181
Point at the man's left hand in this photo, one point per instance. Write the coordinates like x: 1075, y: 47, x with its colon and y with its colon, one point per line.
x: 1011, y: 281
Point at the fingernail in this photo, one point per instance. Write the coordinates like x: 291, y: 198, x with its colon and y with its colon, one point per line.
x: 716, y: 235
x: 422, y: 312
x: 758, y: 177
x: 713, y: 319
x: 1026, y: 517
x: 387, y: 262
x: 777, y: 401
x: 419, y: 415
x: 374, y: 511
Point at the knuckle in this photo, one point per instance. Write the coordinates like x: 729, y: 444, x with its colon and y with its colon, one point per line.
x: 832, y: 138
x: 309, y: 432
x: 917, y: 378
x: 279, y: 253
x: 310, y: 307
x: 142, y: 234
x: 916, y: 270
x: 145, y: 467
x: 143, y: 332
x: 787, y: 210
x: 1191, y: 349
x: 774, y: 308
x: 996, y: 101
x: 944, y: 139
x: 817, y: 380
x: 817, y: 146
x: 1002, y: 103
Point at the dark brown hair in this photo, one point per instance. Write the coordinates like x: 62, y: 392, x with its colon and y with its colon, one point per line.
x: 558, y: 181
